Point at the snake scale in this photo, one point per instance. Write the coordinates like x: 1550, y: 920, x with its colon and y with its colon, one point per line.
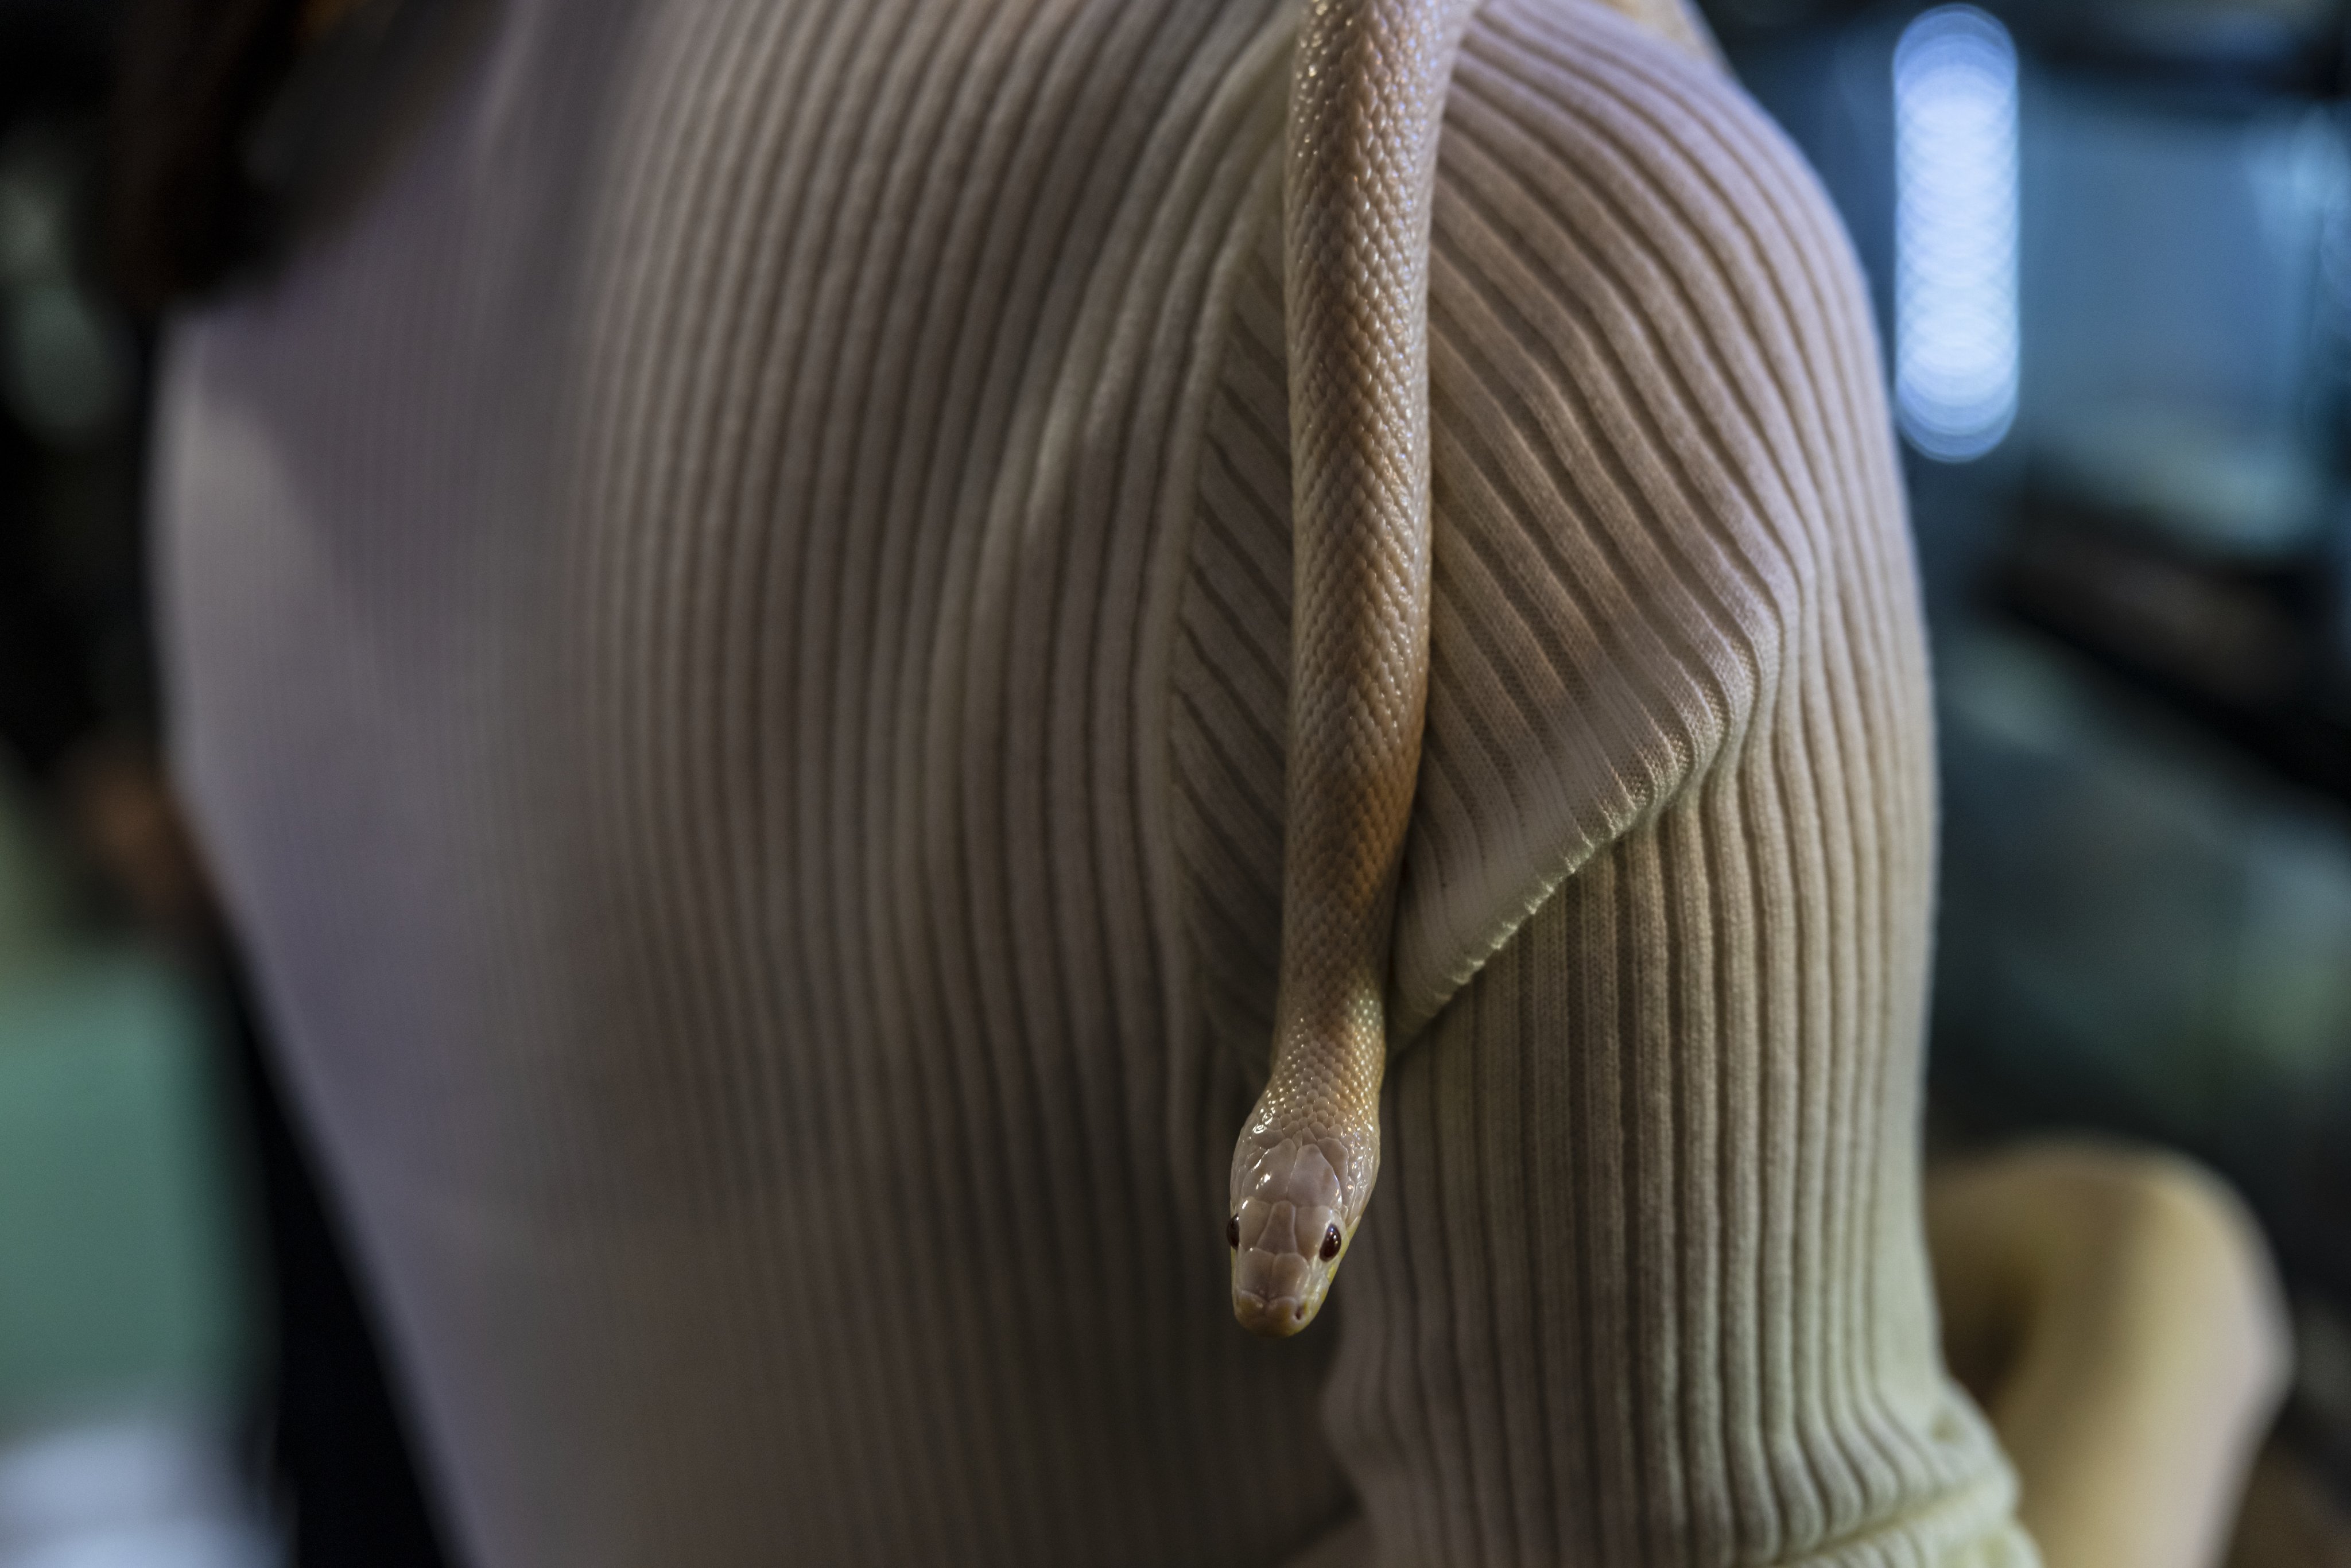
x: 1367, y: 96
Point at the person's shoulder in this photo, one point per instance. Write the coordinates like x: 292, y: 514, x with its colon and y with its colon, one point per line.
x: 1614, y: 164
x: 1648, y: 331
x: 1555, y: 90
x: 1660, y: 452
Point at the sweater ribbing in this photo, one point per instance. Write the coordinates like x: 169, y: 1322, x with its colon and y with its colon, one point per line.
x: 730, y: 628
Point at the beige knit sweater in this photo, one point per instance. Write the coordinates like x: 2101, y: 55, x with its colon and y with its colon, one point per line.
x: 728, y: 623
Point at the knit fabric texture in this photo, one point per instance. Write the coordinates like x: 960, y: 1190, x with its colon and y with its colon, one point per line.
x: 728, y: 626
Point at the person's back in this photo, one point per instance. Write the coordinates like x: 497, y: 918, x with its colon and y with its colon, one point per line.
x: 730, y: 628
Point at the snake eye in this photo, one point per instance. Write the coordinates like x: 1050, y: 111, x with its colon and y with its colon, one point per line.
x: 1329, y: 1244
x: 1233, y: 1232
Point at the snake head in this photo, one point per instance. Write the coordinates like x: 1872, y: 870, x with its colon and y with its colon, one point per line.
x: 1290, y: 1227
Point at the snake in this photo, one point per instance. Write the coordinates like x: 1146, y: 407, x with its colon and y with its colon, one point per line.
x: 1367, y: 88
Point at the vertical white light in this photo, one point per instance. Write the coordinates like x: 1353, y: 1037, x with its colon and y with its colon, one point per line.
x: 1955, y: 334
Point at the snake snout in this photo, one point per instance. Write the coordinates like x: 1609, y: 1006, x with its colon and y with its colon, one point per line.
x: 1287, y: 1236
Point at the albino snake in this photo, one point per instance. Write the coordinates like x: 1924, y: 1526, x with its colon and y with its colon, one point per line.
x: 1367, y: 96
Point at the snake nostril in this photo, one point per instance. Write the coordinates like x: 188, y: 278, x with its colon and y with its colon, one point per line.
x: 1233, y: 1232
x: 1329, y: 1244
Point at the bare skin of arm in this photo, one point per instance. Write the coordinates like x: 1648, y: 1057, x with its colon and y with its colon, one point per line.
x: 2116, y: 1312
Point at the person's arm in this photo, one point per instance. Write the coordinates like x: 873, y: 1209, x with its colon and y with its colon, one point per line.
x: 1645, y: 1285
x: 2116, y: 1312
x: 1644, y: 1280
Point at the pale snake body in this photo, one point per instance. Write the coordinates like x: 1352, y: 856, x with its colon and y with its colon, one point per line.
x: 1367, y: 96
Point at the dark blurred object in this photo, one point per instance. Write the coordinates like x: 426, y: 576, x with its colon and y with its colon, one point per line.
x: 2240, y: 649
x: 44, y: 707
x: 2267, y: 47
x: 2289, y: 1519
x: 72, y: 620
x: 195, y: 75
x: 2233, y: 46
x: 122, y: 814
x: 339, y: 1452
x: 240, y: 124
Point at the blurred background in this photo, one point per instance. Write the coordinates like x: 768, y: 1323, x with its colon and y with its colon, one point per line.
x: 2110, y: 247
x: 2109, y: 243
x: 130, y: 1331
x: 187, y: 1379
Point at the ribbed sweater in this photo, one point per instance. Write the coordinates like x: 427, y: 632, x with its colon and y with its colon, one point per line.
x: 727, y: 622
